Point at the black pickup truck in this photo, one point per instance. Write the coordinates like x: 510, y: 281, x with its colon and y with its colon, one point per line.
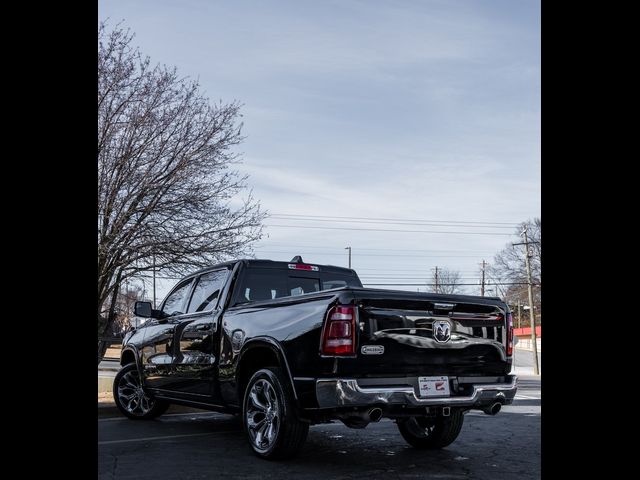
x: 289, y: 344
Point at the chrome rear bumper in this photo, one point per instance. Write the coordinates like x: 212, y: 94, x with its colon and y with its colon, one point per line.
x: 341, y: 392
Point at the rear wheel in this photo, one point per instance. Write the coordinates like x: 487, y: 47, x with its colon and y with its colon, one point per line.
x: 431, y: 432
x: 273, y: 429
x: 130, y: 397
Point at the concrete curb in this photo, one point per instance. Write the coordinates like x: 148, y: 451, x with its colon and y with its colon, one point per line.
x: 107, y: 370
x: 525, y: 371
x: 105, y: 381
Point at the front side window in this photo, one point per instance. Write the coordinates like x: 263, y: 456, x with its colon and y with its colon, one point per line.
x: 207, y: 291
x: 174, y: 303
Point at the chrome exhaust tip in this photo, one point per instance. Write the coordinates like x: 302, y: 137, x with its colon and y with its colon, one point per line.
x: 375, y: 414
x: 493, y: 409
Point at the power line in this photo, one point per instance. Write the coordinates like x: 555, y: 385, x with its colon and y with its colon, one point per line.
x: 339, y: 247
x: 439, y: 284
x: 414, y: 275
x: 409, y: 271
x: 399, y: 279
x: 391, y: 230
x: 158, y: 277
x: 391, y: 222
x: 512, y: 224
x: 420, y: 284
x: 371, y: 254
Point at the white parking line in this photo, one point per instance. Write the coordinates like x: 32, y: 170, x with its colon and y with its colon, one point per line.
x: 525, y: 397
x: 145, y: 439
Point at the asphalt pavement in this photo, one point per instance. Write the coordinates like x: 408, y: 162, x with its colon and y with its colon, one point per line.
x: 187, y: 443
x: 193, y: 444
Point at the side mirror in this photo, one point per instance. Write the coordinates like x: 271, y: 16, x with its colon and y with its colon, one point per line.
x: 143, y: 309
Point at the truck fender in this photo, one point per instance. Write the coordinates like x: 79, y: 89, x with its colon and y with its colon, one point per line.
x: 274, y: 345
x: 136, y: 356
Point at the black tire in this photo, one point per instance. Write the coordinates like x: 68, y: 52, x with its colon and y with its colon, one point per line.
x: 132, y: 401
x: 269, y: 418
x: 431, y: 432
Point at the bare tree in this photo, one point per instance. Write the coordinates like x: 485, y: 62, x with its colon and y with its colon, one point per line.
x: 447, y: 281
x: 124, y: 307
x: 166, y: 188
x: 518, y: 294
x: 508, y: 265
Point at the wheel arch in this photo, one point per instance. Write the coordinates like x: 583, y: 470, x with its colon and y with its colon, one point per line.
x: 258, y: 353
x: 129, y: 355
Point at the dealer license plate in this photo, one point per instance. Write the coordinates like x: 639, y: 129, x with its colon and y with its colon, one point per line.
x: 434, y: 386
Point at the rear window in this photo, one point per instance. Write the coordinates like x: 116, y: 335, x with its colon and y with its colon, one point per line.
x: 300, y: 286
x: 269, y: 283
x: 337, y: 280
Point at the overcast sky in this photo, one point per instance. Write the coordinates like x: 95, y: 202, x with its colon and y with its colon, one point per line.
x: 420, y: 110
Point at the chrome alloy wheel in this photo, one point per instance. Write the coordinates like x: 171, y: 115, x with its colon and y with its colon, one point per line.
x: 131, y: 395
x: 262, y: 415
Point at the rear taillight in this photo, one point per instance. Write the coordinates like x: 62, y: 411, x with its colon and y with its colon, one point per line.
x: 509, y: 335
x: 339, y: 332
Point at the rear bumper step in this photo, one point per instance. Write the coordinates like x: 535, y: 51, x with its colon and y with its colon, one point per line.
x: 346, y: 392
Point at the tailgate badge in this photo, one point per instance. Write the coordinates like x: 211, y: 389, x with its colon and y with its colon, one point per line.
x: 372, y: 349
x: 441, y: 331
x: 444, y: 306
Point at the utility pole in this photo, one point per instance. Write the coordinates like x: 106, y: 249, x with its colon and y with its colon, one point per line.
x: 532, y: 315
x: 436, y: 279
x: 482, y: 287
x: 349, y: 248
x: 154, y: 282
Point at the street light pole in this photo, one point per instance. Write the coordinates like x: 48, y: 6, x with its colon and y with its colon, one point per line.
x: 349, y: 248
x: 154, y: 282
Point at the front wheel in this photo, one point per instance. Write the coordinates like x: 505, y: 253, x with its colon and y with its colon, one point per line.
x: 271, y: 424
x: 130, y: 397
x: 431, y: 432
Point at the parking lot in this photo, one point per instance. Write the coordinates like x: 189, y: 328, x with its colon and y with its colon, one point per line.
x: 198, y: 445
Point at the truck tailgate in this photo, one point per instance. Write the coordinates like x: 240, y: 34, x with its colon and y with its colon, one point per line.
x: 402, y: 333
